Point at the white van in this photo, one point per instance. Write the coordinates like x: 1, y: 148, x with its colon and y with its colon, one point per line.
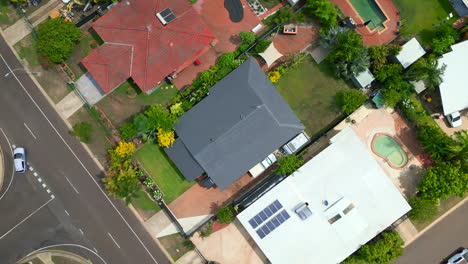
x: 295, y: 144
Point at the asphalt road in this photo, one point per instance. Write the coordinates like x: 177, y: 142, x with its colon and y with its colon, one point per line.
x: 441, y: 241
x: 67, y: 205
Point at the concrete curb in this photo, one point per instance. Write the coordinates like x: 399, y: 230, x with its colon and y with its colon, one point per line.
x: 436, y: 221
x: 140, y: 219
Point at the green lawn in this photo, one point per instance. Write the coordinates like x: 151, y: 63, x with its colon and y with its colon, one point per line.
x: 161, y: 96
x: 143, y: 202
x: 311, y: 90
x: 27, y: 50
x: 163, y: 171
x: 4, y: 12
x: 420, y: 16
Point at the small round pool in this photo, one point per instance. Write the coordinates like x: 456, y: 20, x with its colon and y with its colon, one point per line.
x: 388, y: 148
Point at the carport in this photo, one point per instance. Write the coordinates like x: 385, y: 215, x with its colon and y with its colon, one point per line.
x: 89, y: 89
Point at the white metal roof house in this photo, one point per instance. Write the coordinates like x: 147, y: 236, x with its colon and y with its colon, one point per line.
x: 328, y: 208
x: 411, y: 51
x: 363, y: 80
x: 454, y: 87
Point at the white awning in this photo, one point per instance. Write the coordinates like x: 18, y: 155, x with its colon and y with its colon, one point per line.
x: 465, y: 2
x: 270, y: 55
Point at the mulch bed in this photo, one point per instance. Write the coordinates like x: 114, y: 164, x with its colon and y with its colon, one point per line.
x: 217, y: 226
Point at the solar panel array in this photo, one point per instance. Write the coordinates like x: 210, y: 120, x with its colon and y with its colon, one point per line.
x: 168, y: 15
x: 266, y: 213
x: 273, y: 224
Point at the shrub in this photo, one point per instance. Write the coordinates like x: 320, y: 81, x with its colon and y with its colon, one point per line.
x: 225, y: 215
x: 125, y: 149
x: 127, y: 131
x: 177, y: 109
x: 383, y: 251
x: 274, y: 76
x: 165, y: 139
x: 289, y: 164
x: 435, y: 142
x: 422, y: 210
x: 247, y: 37
x: 226, y: 60
x: 207, y: 230
x: 443, y: 180
x: 394, y: 50
x: 57, y: 39
x: 262, y: 45
x: 444, y: 37
x: 83, y: 131
x: 350, y: 100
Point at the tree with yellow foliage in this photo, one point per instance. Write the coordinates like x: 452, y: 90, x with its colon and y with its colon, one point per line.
x: 274, y: 76
x: 165, y: 139
x: 125, y: 149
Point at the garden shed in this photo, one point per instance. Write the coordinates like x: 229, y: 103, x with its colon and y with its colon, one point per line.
x: 411, y: 51
x: 363, y: 80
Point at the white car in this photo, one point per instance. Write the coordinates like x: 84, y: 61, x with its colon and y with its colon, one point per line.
x: 19, y: 157
x: 263, y: 165
x: 459, y: 258
x: 454, y: 119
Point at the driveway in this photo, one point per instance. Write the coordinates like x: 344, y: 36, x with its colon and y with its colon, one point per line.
x: 445, y: 126
x: 440, y: 241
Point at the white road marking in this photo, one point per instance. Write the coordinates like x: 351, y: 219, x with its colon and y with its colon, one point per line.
x: 31, y: 168
x: 35, y: 174
x: 44, y: 185
x: 113, y: 240
x: 48, y: 191
x: 95, y: 249
x: 72, y: 185
x: 39, y: 179
x: 32, y: 134
x: 22, y: 221
x: 12, y: 168
x: 52, y: 196
x: 81, y: 231
x: 13, y: 146
x: 67, y: 245
x: 67, y: 212
x: 81, y: 163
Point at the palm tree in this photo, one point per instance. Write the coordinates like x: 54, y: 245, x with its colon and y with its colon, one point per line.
x: 427, y: 70
x: 329, y: 38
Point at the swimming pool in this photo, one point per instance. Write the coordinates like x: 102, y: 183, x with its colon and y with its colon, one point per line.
x: 369, y: 10
x: 388, y: 148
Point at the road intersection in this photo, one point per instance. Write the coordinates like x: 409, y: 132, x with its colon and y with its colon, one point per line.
x: 60, y: 203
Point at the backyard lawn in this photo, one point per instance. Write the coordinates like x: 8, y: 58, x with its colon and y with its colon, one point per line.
x: 420, y: 16
x: 310, y: 90
x: 120, y: 107
x: 163, y: 171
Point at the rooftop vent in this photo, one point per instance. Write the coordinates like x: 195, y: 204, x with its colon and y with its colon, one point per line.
x: 303, y: 211
x: 165, y: 16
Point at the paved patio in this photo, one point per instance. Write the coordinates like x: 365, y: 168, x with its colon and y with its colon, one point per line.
x: 369, y: 122
x: 199, y: 200
x: 226, y: 32
x: 373, y: 37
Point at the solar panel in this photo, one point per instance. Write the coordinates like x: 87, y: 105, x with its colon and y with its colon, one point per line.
x: 266, y: 213
x: 166, y: 16
x: 170, y: 17
x: 271, y: 225
x: 166, y: 12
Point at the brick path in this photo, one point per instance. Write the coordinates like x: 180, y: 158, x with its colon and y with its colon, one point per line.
x: 373, y: 37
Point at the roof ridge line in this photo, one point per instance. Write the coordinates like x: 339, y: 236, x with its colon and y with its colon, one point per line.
x: 184, y: 32
x: 120, y: 27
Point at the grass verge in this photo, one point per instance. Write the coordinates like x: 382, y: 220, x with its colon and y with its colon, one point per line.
x: 444, y: 206
x: 176, y: 245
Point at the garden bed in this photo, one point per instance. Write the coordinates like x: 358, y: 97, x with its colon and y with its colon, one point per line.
x: 163, y: 171
x: 120, y: 107
x: 310, y: 90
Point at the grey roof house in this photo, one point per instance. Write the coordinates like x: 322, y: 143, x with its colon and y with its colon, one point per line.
x: 240, y: 122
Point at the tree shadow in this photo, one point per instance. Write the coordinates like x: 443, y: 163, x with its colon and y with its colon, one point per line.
x: 409, y: 179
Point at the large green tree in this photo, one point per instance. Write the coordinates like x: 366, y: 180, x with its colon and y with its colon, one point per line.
x: 348, y: 55
x: 435, y: 142
x: 325, y: 11
x: 443, y: 180
x: 350, y: 100
x: 289, y: 164
x: 444, y: 37
x: 329, y: 37
x: 458, y: 150
x: 428, y: 70
x: 57, y: 39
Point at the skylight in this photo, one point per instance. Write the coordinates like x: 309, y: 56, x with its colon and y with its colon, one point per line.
x: 165, y: 16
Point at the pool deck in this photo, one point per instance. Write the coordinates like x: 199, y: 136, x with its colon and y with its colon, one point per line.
x: 370, y: 122
x: 374, y: 37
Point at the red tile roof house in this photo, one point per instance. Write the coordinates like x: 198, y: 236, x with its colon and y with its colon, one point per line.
x: 146, y: 40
